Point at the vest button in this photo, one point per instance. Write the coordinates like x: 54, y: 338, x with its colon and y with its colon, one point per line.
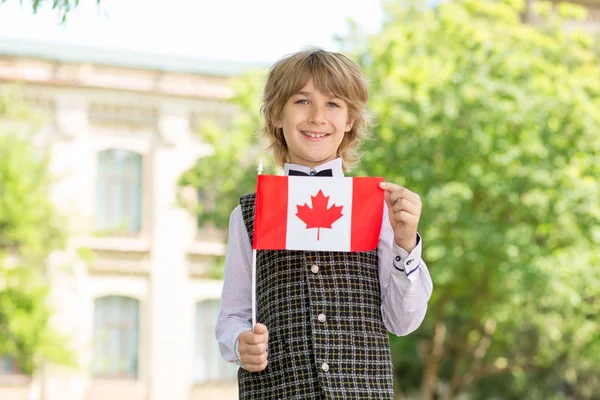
x: 314, y: 269
x: 322, y: 318
x: 325, y: 367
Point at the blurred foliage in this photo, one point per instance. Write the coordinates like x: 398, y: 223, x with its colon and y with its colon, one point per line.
x: 64, y: 7
x: 216, y: 269
x: 30, y: 229
x: 230, y: 171
x: 496, y: 125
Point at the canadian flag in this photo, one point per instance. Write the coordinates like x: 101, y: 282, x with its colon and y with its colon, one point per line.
x: 317, y: 213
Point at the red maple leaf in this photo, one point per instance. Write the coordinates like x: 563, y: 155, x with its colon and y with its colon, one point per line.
x: 319, y: 216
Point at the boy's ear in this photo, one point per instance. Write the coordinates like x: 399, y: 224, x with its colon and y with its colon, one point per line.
x: 277, y: 123
x: 349, y: 125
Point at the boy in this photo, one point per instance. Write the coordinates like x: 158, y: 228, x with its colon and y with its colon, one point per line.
x: 324, y: 316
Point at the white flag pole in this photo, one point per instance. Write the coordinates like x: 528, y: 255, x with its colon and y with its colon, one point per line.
x: 260, y: 169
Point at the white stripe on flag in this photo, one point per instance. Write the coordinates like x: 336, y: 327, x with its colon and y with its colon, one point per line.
x: 339, y: 192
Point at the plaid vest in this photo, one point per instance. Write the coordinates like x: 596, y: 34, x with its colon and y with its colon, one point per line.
x: 327, y: 339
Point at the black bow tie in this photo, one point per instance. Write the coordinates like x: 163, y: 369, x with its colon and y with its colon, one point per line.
x: 325, y: 172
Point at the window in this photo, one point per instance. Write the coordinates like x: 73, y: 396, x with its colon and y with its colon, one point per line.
x: 119, y: 192
x: 116, y: 322
x: 208, y: 363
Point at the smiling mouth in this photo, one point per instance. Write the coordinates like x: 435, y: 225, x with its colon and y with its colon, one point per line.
x: 315, y: 135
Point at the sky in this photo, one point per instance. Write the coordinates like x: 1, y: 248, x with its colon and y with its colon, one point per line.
x: 257, y: 31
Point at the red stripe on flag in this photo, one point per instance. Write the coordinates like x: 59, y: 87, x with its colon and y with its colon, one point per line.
x: 270, y: 217
x: 367, y: 213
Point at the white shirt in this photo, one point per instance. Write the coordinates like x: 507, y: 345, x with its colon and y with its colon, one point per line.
x: 404, y: 279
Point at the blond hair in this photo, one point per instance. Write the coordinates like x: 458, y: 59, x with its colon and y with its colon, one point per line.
x: 332, y: 73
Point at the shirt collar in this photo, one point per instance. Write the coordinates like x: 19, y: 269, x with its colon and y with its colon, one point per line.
x: 335, y: 166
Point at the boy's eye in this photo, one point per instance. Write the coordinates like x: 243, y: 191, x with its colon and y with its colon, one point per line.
x: 332, y: 104
x: 302, y: 101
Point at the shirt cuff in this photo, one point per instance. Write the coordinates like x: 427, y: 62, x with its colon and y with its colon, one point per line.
x: 407, y: 262
x: 237, y: 352
x: 235, y: 347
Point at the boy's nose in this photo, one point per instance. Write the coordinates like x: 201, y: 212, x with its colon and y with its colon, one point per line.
x: 317, y: 116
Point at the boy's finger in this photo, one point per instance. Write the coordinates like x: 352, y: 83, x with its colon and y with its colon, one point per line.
x: 388, y: 199
x: 400, y: 192
x: 254, y: 363
x: 403, y: 204
x: 250, y: 338
x: 390, y: 187
x: 392, y: 192
x: 257, y: 339
x: 260, y: 329
x: 257, y: 349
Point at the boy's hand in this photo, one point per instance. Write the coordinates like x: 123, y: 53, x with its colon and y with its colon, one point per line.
x: 404, y: 209
x: 253, y: 348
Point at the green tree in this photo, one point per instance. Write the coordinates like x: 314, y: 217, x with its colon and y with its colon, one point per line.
x: 495, y: 123
x: 64, y: 7
x: 229, y: 172
x: 30, y: 229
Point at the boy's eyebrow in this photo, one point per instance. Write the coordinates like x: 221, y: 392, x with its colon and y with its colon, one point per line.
x: 303, y: 93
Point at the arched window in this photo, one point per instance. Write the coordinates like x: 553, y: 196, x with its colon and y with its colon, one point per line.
x: 119, y: 191
x: 116, y: 332
x: 208, y: 363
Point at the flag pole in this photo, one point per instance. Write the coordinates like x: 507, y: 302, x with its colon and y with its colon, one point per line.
x: 260, y: 169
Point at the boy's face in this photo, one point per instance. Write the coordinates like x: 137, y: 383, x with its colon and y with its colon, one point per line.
x: 313, y: 125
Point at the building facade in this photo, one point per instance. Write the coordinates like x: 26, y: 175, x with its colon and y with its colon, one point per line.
x: 138, y: 302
